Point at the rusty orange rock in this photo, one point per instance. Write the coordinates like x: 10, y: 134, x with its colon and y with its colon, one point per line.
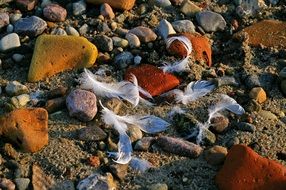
x: 26, y: 128
x: 118, y: 4
x: 153, y: 79
x: 202, y: 50
x: 269, y: 33
x: 245, y: 169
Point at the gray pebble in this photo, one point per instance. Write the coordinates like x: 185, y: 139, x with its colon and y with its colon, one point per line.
x: 103, y: 42
x: 210, y: 21
x: 225, y: 81
x: 72, y: 31
x: 31, y: 26
x: 133, y: 40
x: 158, y: 186
x: 82, y: 105
x: 144, y: 143
x: 22, y: 183
x: 91, y: 133
x: 161, y: 3
x: 137, y: 59
x: 79, y: 8
x: 121, y: 32
x: 252, y: 81
x: 10, y: 28
x: 58, y: 31
x: 65, y: 185
x: 182, y: 26
x: 232, y: 141
x: 119, y: 42
x: 144, y: 34
x: 9, y: 42
x: 243, y: 126
x: 15, y: 88
x: 103, y: 27
x: 165, y: 29
x: 119, y: 170
x: 83, y: 29
x: 124, y: 59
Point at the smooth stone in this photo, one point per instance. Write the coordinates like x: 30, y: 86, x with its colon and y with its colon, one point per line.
x: 137, y: 60
x: 219, y: 124
x: 282, y: 73
x: 83, y: 29
x: 243, y: 126
x: 72, y: 31
x: 133, y: 40
x: 91, y: 133
x: 252, y: 81
x: 124, y: 59
x: 161, y: 3
x: 253, y: 106
x: 119, y: 170
x: 118, y: 4
x: 31, y: 26
x: 56, y: 104
x: 144, y: 34
x: 61, y: 53
x: 22, y: 183
x: 210, y: 21
x: 21, y: 100
x: 14, y: 88
x: 4, y: 19
x: 103, y: 42
x: 144, y: 143
x: 189, y: 8
x: 215, y: 155
x: 97, y: 182
x: 82, y: 110
x: 58, y: 31
x: 45, y: 3
x: 119, y: 42
x: 9, y: 42
x: 79, y: 8
x: 55, y: 13
x: 106, y: 11
x: 15, y: 17
x: 18, y: 57
x: 184, y: 26
x: 135, y: 133
x: 10, y: 28
x: 258, y: 94
x: 283, y: 87
x: 165, y: 28
x: 27, y: 128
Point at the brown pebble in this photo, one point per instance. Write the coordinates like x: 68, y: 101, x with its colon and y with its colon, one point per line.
x: 219, y: 124
x: 55, y: 104
x: 57, y: 92
x: 215, y: 155
x: 10, y: 151
x: 119, y: 170
x: 258, y: 94
x: 94, y: 161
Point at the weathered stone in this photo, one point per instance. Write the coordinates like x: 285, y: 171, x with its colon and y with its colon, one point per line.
x: 55, y: 13
x: 97, y: 182
x: 189, y: 8
x: 165, y: 29
x: 54, y: 54
x: 103, y: 42
x: 26, y: 5
x: 119, y: 170
x: 144, y: 34
x: 4, y: 19
x: 184, y: 26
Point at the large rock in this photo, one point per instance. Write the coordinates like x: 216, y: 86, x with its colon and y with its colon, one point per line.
x: 153, y: 79
x: 245, y: 168
x: 27, y: 128
x: 54, y: 54
x: 118, y: 4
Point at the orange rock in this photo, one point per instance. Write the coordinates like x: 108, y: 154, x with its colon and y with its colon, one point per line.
x: 245, y: 169
x: 153, y: 79
x: 269, y: 33
x: 94, y: 161
x: 27, y: 128
x: 201, y: 47
x: 258, y: 94
x: 118, y: 4
x: 54, y: 54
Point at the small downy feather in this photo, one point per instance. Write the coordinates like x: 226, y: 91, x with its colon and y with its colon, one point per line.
x: 178, y: 66
x: 124, y: 145
x: 140, y: 165
x: 185, y: 41
x: 193, y: 91
x: 126, y: 90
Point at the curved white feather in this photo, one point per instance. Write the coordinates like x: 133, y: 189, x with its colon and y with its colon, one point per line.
x: 178, y: 66
x: 186, y: 42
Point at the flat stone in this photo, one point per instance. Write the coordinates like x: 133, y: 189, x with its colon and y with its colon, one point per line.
x: 153, y: 79
x: 165, y: 28
x: 82, y: 105
x: 4, y: 19
x: 144, y: 34
x: 91, y: 133
x: 245, y: 168
x: 27, y: 128
x: 215, y: 155
x: 118, y: 4
x: 31, y: 26
x: 26, y: 5
x: 103, y: 42
x: 269, y: 33
x: 106, y: 11
x: 210, y: 21
x: 9, y: 42
x: 189, y: 8
x: 55, y: 13
x: 14, y: 88
x: 54, y: 54
x: 184, y: 26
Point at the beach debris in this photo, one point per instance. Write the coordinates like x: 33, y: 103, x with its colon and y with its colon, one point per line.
x: 148, y: 124
x: 264, y: 173
x: 179, y: 146
x: 97, y: 182
x: 126, y: 90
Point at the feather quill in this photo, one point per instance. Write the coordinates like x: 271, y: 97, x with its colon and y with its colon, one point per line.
x: 140, y: 165
x: 193, y: 91
x: 126, y: 90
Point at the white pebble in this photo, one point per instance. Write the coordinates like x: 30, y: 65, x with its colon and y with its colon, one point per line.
x: 9, y: 41
x: 72, y: 31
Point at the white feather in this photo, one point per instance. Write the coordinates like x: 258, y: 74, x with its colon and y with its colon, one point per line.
x: 193, y: 91
x: 126, y: 90
x: 178, y: 66
x: 140, y: 165
x: 185, y: 41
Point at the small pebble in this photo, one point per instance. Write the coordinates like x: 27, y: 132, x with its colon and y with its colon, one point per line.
x: 94, y: 161
x: 184, y: 26
x: 79, y: 8
x: 267, y: 115
x: 134, y: 133
x: 258, y: 94
x: 124, y: 59
x: 55, y: 13
x: 56, y: 104
x: 10, y: 28
x: 91, y: 133
x: 189, y: 8
x: 106, y: 11
x: 219, y: 124
x: 283, y: 86
x: 72, y: 31
x: 103, y: 28
x: 161, y: 3
x: 133, y: 40
x: 97, y: 182
x: 114, y: 104
x: 15, y: 88
x: 103, y: 42
x: 158, y: 186
x: 83, y: 29
x: 4, y: 19
x: 82, y: 110
x: 58, y: 31
x: 243, y: 126
x: 137, y: 60
x: 9, y: 42
x: 26, y: 5
x: 15, y: 17
x: 119, y: 170
x: 21, y: 100
x: 119, y: 42
x: 57, y: 92
x: 7, y: 184
x: 144, y: 34
x: 165, y: 28
x: 215, y: 155
x: 17, y: 57
x: 22, y: 183
x: 144, y: 143
x: 211, y: 21
x: 65, y: 185
x: 10, y: 151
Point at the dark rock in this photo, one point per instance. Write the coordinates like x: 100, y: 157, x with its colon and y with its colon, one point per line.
x: 119, y: 170
x: 31, y: 26
x: 243, y: 126
x: 103, y: 42
x: 91, y: 133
